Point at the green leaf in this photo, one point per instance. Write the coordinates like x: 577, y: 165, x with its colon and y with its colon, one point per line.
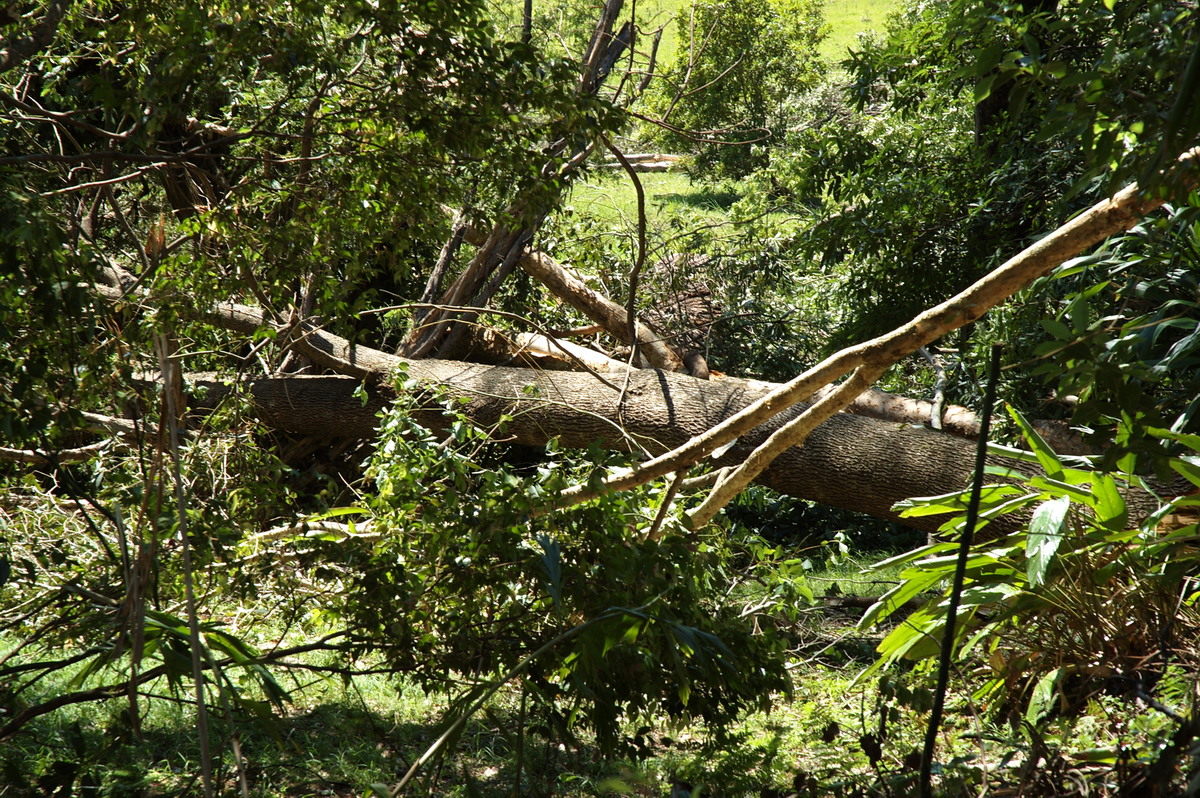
x: 336, y: 512
x: 921, y: 506
x: 551, y: 561
x: 1041, y: 701
x: 1058, y: 488
x: 1045, y: 455
x: 1188, y: 469
x: 987, y: 514
x: 1110, y: 509
x: 1187, y: 439
x: 916, y: 554
x: 913, y: 582
x: 1045, y: 535
x: 984, y: 87
x: 1025, y: 456
x: 980, y: 595
x: 1056, y: 69
x: 1057, y: 329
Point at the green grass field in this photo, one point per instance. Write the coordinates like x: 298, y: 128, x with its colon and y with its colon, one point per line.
x: 613, y: 200
x: 848, y: 19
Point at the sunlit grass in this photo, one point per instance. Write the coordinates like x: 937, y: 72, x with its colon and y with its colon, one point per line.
x: 848, y: 19
x: 612, y: 198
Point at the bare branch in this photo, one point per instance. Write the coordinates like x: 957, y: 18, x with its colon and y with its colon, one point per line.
x: 570, y: 288
x: 636, y: 272
x: 1106, y: 218
x: 61, y: 456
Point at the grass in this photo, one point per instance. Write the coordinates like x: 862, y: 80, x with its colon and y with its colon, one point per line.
x: 338, y: 740
x: 849, y: 19
x: 611, y: 198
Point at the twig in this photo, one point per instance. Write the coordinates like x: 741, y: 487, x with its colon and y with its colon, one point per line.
x: 654, y: 533
x: 171, y: 378
x: 636, y: 272
x: 960, y: 571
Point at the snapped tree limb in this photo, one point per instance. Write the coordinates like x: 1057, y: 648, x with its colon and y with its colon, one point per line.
x: 849, y: 461
x: 1110, y: 216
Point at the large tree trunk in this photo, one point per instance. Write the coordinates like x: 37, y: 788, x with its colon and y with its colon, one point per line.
x: 850, y: 461
x: 809, y: 451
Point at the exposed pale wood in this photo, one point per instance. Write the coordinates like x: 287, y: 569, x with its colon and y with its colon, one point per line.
x: 1106, y: 218
x: 570, y: 288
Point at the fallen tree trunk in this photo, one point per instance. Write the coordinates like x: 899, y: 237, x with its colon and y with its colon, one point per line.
x: 852, y: 462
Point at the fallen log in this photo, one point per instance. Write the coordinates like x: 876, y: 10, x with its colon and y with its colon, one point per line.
x: 852, y: 462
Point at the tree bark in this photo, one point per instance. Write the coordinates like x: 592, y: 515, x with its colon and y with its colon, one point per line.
x: 852, y: 462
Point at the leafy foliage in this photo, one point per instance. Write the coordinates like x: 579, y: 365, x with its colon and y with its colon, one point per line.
x: 975, y: 127
x: 38, y: 386
x: 1106, y: 74
x: 1126, y: 340
x: 464, y: 575
x: 295, y: 155
x: 1075, y: 602
x: 740, y: 66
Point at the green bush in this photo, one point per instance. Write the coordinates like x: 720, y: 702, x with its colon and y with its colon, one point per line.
x: 1075, y: 602
x: 739, y: 67
x: 464, y: 580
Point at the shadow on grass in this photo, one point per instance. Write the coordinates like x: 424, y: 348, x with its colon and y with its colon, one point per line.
x: 704, y: 198
x: 334, y: 748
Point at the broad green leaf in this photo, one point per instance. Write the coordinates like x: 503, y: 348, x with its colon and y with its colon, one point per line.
x: 685, y: 692
x: 1045, y: 455
x: 918, y: 637
x: 1110, y: 509
x: 336, y: 512
x: 916, y: 554
x: 1057, y: 329
x: 1059, y: 488
x: 980, y: 595
x: 1188, y: 469
x: 1004, y: 472
x: 167, y: 622
x: 991, y: 495
x: 1025, y: 456
x: 551, y: 561
x: 1042, y: 699
x: 1056, y: 69
x: 984, y: 87
x: 931, y: 505
x: 913, y: 582
x: 986, y: 515
x: 1045, y: 535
